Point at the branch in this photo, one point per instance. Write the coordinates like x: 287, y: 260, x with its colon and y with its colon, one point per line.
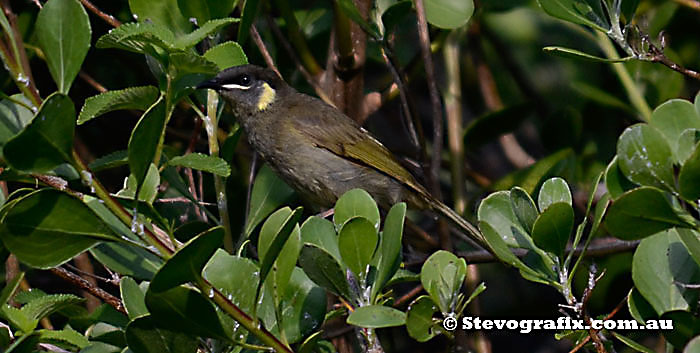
x: 89, y: 287
x: 106, y: 17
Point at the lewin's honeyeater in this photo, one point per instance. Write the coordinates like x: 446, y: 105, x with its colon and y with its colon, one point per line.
x: 317, y: 149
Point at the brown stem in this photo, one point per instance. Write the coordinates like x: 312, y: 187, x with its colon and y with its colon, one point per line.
x: 343, y: 37
x: 20, y: 56
x: 408, y: 296
x: 106, y: 17
x: 87, y: 286
x: 82, y: 261
x: 661, y: 58
x: 263, y: 50
x: 92, y: 82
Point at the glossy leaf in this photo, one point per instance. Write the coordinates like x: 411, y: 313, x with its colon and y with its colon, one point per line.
x: 576, y: 54
x: 48, y: 227
x: 390, y: 247
x: 218, y: 273
x: 203, y: 162
x: 144, y: 336
x: 672, y: 118
x: 127, y: 260
x: 269, y: 193
x: 357, y: 240
x: 187, y: 263
x: 660, y: 266
x: 497, y: 211
x: 632, y: 343
x: 250, y: 11
x: 645, y: 157
x: 691, y: 240
x: 62, y: 337
x: 356, y: 203
x: 282, y: 225
x: 376, y: 316
x: 183, y: 309
x: 686, y: 144
x: 161, y: 12
x: 324, y: 270
x: 13, y: 117
x: 133, y: 298
x: 138, y: 37
x: 586, y: 12
x: 552, y: 191
x: 639, y: 308
x: 531, y: 177
x: 553, y: 227
x: 286, y: 258
x: 448, y: 14
x: 442, y: 275
x: 501, y: 250
x: 686, y: 325
x: 640, y: 213
x: 227, y: 54
x: 138, y: 98
x: 321, y: 232
x: 47, y: 141
x: 191, y: 39
x: 146, y: 139
x: 689, y: 176
x: 63, y: 31
x: 693, y: 345
x: 419, y: 319
x: 524, y: 208
x: 615, y: 181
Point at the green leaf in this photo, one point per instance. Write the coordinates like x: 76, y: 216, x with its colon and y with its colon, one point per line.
x: 601, y: 96
x: 269, y: 193
x: 575, y: 54
x: 187, y: 263
x: 693, y: 345
x: 286, y: 258
x: 185, y: 310
x: 111, y: 160
x: 419, y: 319
x: 356, y: 203
x: 639, y: 308
x: 357, y: 240
x: 161, y: 12
x: 531, y: 177
x: 66, y: 335
x: 553, y: 227
x: 47, y: 141
x: 144, y: 336
x: 41, y: 307
x: 376, y: 316
x: 686, y: 144
x: 645, y: 157
x: 553, y: 190
x: 615, y: 181
x: 13, y: 117
x: 501, y: 250
x: 497, y: 211
x: 10, y: 288
x: 17, y: 318
x: 205, y: 10
x: 145, y: 140
x: 390, y: 247
x: 138, y: 98
x: 321, y: 232
x: 133, y: 297
x: 686, y: 325
x: 640, y: 213
x: 63, y: 31
x: 524, y: 208
x: 442, y: 275
x: 691, y: 240
x: 585, y: 12
x: 218, y: 272
x: 138, y: 37
x: 632, y: 344
x: 689, y: 176
x: 448, y: 14
x: 660, y: 266
x: 149, y: 188
x: 282, y: 225
x: 349, y: 9
x: 48, y: 227
x: 191, y: 39
x: 249, y: 13
x: 227, y: 54
x: 127, y: 260
x: 394, y: 14
x: 303, y: 308
x: 203, y: 162
x: 671, y: 119
x: 324, y: 270
x: 491, y: 125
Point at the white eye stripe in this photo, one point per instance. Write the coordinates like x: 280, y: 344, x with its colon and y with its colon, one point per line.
x: 235, y: 86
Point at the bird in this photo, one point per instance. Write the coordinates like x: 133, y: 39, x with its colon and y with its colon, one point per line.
x: 316, y: 149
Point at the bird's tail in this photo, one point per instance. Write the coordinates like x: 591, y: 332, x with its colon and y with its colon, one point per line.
x: 471, y: 231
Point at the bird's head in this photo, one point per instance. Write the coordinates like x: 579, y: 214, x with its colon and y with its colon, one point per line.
x: 248, y: 89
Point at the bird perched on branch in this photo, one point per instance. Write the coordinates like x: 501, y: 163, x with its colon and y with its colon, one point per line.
x: 315, y: 148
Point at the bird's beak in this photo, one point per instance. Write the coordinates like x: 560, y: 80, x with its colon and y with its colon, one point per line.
x: 213, y: 84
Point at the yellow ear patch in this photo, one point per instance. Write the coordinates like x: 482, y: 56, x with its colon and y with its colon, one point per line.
x: 266, y: 97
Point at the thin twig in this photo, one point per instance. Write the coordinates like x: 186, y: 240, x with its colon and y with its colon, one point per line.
x: 87, y: 286
x: 263, y: 50
x: 92, y: 82
x: 106, y: 17
x: 408, y: 296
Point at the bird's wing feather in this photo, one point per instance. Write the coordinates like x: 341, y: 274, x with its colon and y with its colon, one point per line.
x: 347, y: 139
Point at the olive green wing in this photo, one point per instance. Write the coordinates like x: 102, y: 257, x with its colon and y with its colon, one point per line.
x: 337, y: 133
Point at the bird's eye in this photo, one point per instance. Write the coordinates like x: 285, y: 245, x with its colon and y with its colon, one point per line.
x: 242, y: 80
